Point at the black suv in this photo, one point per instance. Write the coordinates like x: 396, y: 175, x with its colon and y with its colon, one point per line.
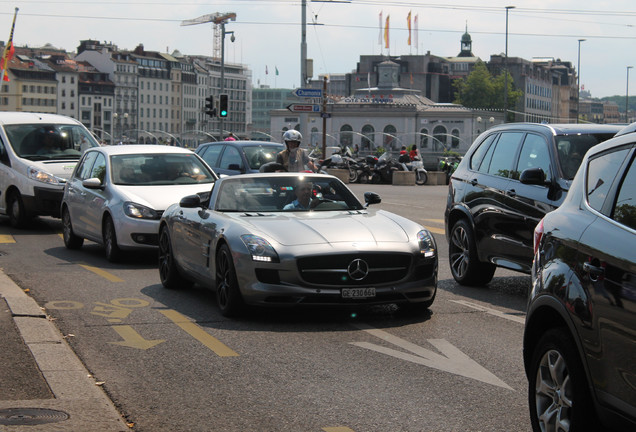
x: 511, y: 176
x: 579, y: 345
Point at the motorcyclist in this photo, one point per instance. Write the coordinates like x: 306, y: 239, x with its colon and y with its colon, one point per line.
x: 293, y: 158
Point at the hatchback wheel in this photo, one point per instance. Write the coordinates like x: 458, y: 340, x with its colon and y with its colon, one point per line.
x: 558, y: 393
x: 168, y: 271
x: 462, y: 255
x: 71, y: 241
x: 228, y: 296
x: 113, y: 252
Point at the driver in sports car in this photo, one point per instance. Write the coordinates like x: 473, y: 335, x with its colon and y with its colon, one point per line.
x: 303, y: 199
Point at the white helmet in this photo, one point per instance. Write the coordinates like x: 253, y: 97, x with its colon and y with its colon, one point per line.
x: 292, y: 135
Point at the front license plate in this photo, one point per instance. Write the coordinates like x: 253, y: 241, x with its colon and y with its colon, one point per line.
x: 358, y: 292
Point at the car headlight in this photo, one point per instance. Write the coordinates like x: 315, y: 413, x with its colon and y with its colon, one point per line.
x: 138, y: 211
x: 427, y: 244
x: 259, y: 248
x: 44, y: 177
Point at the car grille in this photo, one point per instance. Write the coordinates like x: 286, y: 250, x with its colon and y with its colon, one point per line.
x: 344, y: 269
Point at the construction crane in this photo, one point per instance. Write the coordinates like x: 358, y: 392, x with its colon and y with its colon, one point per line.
x: 218, y: 19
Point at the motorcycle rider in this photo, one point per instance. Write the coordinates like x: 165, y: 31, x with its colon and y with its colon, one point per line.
x: 293, y: 158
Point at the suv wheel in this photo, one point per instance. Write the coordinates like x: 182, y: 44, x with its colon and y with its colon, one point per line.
x: 462, y: 256
x: 558, y: 393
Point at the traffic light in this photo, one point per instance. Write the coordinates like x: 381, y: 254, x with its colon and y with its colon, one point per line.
x: 209, y: 106
x: 223, y: 105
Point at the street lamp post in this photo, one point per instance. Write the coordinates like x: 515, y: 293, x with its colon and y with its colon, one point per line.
x: 578, y: 81
x: 506, y: 70
x: 627, y: 96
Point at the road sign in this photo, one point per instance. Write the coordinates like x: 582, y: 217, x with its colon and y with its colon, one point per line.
x: 304, y: 108
x: 308, y: 93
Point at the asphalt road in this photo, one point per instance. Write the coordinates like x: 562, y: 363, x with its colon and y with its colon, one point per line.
x: 170, y: 361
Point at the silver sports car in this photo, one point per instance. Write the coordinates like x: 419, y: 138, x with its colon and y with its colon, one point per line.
x: 295, y: 239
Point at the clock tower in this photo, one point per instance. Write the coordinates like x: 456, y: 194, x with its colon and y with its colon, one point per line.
x: 388, y: 74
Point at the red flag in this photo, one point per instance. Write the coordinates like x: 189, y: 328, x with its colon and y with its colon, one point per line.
x: 408, y: 23
x: 9, y: 50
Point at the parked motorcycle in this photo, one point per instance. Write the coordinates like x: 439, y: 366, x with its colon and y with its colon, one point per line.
x: 416, y: 165
x: 449, y: 164
x: 384, y: 169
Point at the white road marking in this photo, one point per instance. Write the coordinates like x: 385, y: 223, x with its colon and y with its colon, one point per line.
x: 494, y: 312
x: 452, y: 359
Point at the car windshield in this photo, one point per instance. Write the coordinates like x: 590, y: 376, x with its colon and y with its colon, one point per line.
x: 159, y: 169
x: 572, y: 148
x: 261, y: 154
x: 284, y: 193
x: 49, y: 141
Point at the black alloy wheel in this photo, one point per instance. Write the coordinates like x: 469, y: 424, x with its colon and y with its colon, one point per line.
x: 71, y: 241
x: 462, y: 256
x: 169, y: 274
x: 113, y: 252
x: 228, y: 296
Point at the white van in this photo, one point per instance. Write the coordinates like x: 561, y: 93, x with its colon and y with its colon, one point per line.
x: 38, y: 153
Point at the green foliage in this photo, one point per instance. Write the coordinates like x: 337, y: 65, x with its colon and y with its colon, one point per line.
x: 451, y: 153
x: 380, y: 151
x: 480, y: 90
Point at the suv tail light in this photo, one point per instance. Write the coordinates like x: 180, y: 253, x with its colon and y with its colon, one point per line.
x: 538, y: 234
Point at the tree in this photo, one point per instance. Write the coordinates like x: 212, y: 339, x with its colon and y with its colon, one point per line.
x: 480, y: 90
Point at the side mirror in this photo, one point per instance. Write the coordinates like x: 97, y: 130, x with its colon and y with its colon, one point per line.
x: 371, y: 198
x: 533, y: 176
x: 92, y: 183
x: 190, y: 201
x: 235, y: 167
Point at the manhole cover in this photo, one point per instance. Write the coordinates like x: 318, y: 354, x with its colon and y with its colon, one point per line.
x: 30, y: 416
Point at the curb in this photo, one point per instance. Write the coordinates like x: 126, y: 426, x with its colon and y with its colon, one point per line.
x: 75, y: 392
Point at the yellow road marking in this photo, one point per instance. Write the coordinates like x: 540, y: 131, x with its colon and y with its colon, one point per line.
x: 440, y: 221
x: 436, y: 230
x: 133, y: 339
x: 337, y: 429
x: 111, y: 277
x: 6, y: 238
x: 199, y: 334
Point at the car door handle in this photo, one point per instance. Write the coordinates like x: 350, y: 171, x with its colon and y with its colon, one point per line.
x: 474, y: 182
x: 511, y: 193
x: 594, y: 271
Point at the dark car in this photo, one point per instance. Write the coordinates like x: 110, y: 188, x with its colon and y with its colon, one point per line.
x: 511, y: 176
x: 238, y: 157
x: 580, y: 335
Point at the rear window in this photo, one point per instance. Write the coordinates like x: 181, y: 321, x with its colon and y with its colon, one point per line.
x: 572, y: 148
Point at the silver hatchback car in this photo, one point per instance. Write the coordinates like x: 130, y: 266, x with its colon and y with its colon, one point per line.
x: 117, y: 194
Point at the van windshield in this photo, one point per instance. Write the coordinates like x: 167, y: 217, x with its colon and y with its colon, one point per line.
x: 49, y: 141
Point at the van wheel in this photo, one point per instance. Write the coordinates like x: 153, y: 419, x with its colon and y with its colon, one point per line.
x: 462, y: 256
x: 113, y: 253
x: 16, y: 211
x: 71, y: 241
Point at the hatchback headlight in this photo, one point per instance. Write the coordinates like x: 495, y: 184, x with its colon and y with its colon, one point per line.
x: 427, y: 244
x: 44, y: 177
x: 259, y: 248
x: 139, y: 211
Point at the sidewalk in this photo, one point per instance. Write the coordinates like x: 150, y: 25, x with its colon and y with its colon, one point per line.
x: 44, y: 387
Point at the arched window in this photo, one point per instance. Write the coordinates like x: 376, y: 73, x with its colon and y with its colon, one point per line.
x: 455, y: 138
x: 439, y: 143
x: 424, y: 138
x: 388, y: 139
x: 366, y: 142
x: 346, y: 137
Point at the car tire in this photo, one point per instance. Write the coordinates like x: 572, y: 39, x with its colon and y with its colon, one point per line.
x: 169, y: 273
x: 113, y: 252
x: 462, y: 257
x: 228, y: 296
x: 71, y: 241
x: 15, y: 209
x: 558, y: 392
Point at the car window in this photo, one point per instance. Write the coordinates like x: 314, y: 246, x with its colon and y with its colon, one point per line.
x: 99, y: 168
x: 478, y: 156
x: 601, y: 173
x: 86, y: 165
x: 625, y: 208
x: 151, y: 169
x: 572, y: 148
x: 534, y: 154
x: 230, y: 156
x: 210, y: 154
x: 260, y: 155
x: 504, y: 154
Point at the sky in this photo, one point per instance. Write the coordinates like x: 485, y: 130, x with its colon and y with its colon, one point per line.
x: 268, y: 32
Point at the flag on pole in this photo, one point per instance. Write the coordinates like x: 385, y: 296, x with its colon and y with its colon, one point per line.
x: 266, y: 71
x: 276, y: 67
x: 380, y: 34
x: 386, y: 32
x: 408, y: 23
x: 9, y: 50
x: 415, y: 33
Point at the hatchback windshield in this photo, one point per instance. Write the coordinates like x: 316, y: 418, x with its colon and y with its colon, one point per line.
x: 52, y: 141
x: 572, y: 148
x: 159, y: 169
